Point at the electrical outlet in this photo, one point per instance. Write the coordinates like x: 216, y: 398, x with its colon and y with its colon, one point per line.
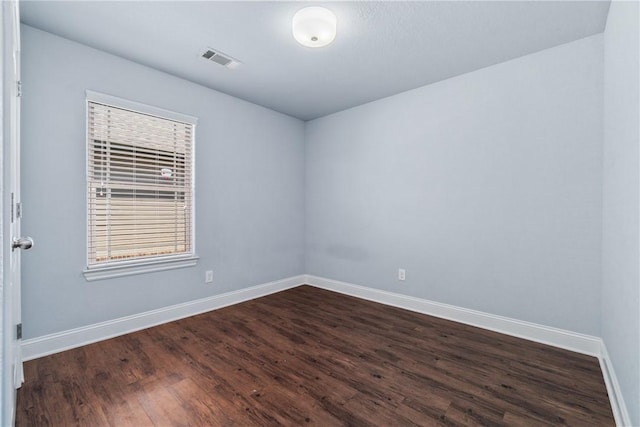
x: 401, y: 274
x: 208, y: 276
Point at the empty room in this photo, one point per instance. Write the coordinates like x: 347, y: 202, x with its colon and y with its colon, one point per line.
x: 361, y: 213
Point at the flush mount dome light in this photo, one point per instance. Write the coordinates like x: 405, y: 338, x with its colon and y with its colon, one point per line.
x: 314, y: 26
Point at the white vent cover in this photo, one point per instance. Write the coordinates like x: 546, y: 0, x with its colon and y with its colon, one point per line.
x: 220, y: 58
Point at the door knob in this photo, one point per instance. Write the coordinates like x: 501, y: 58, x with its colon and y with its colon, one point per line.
x: 22, y: 243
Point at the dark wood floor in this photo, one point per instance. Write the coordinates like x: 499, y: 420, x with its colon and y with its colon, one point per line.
x: 312, y: 357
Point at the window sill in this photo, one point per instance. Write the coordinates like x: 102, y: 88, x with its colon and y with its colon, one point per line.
x: 109, y: 272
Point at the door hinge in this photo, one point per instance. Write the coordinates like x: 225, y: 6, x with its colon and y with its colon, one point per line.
x: 19, y: 331
x: 18, y: 210
x: 18, y: 88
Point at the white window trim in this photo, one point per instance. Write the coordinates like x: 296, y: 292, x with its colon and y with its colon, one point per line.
x: 130, y: 268
x: 140, y: 107
x: 140, y: 266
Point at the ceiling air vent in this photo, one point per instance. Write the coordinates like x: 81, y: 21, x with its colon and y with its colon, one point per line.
x: 220, y: 58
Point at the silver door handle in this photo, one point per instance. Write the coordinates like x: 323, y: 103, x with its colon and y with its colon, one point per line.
x: 22, y: 243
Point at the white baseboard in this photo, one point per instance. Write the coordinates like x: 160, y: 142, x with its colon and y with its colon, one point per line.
x: 568, y: 340
x: 61, y: 341
x: 65, y: 340
x: 619, y: 408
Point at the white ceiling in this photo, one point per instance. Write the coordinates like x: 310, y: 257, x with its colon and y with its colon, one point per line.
x: 382, y: 48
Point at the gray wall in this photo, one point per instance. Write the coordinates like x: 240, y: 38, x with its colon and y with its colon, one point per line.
x: 486, y: 187
x: 249, y: 191
x: 621, y: 258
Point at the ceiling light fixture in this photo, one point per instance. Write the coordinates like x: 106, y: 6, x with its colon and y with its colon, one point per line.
x: 314, y: 26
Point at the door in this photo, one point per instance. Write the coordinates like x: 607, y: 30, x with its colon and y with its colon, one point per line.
x: 12, y: 332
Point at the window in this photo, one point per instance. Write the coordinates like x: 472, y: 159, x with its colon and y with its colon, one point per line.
x: 139, y: 183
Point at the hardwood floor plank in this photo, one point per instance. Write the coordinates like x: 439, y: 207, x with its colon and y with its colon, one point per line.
x: 307, y: 356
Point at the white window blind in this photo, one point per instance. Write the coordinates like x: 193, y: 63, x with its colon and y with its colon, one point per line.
x: 140, y: 185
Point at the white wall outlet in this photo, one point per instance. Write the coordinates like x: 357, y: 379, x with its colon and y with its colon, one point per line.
x: 208, y: 276
x: 401, y: 274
